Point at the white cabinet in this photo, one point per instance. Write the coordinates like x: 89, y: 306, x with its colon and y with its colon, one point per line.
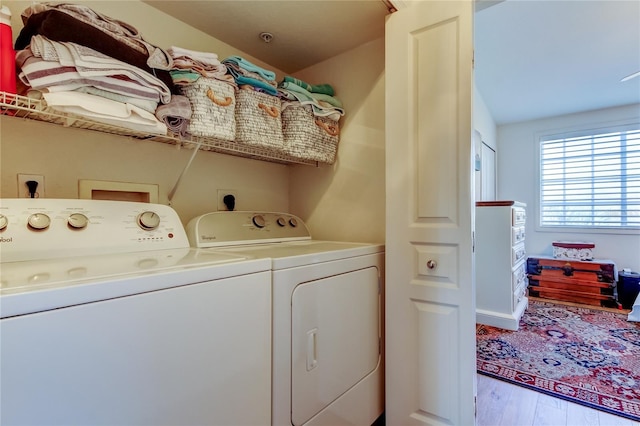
x: 500, y: 263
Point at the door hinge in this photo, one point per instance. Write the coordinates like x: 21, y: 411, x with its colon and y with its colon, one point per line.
x: 475, y: 406
x: 473, y: 241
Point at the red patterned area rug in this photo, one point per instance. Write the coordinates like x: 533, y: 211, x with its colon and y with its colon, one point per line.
x: 587, y: 356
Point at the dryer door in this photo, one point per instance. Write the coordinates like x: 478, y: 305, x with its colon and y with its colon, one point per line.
x: 335, y: 338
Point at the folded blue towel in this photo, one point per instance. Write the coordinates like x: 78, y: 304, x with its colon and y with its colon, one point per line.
x: 267, y: 88
x: 326, y: 89
x: 318, y: 108
x: 287, y: 85
x: 243, y: 63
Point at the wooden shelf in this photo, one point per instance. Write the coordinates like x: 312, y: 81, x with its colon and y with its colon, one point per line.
x: 35, y: 109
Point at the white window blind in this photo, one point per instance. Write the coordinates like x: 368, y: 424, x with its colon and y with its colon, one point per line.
x: 591, y: 181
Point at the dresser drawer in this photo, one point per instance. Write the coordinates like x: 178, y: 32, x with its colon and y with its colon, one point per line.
x: 518, y: 253
x: 519, y: 276
x: 518, y: 216
x: 519, y: 294
x: 517, y: 235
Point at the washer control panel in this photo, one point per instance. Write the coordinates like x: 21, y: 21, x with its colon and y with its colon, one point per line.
x: 44, y: 228
x: 218, y: 229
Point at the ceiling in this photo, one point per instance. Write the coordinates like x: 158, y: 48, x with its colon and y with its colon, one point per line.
x: 533, y: 59
x: 536, y: 59
x: 305, y: 32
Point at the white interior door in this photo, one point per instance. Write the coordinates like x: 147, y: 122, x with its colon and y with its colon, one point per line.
x: 430, y: 298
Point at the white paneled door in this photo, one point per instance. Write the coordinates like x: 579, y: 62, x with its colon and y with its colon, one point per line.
x: 430, y: 297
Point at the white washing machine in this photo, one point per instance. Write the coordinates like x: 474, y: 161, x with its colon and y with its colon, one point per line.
x: 108, y: 316
x: 327, y: 315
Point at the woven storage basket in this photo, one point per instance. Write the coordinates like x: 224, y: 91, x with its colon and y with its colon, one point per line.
x: 213, y: 106
x: 258, y: 120
x: 308, y: 136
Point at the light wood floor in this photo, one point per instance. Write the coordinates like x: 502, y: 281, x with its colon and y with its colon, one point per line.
x: 504, y: 404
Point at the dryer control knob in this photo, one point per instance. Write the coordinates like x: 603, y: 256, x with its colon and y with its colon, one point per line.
x: 258, y: 220
x: 293, y: 222
x: 77, y: 221
x: 39, y: 221
x: 4, y: 221
x: 148, y: 220
x: 281, y: 221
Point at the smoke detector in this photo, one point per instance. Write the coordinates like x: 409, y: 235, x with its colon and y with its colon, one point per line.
x: 266, y: 37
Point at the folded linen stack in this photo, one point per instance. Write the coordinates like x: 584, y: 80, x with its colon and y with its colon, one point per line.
x: 310, y: 116
x: 246, y: 73
x: 258, y: 106
x: 209, y: 89
x: 320, y: 97
x: 88, y: 64
x: 82, y: 25
x: 91, y: 84
x: 189, y: 65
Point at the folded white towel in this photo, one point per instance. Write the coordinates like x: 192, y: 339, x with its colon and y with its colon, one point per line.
x: 105, y: 111
x: 205, y: 57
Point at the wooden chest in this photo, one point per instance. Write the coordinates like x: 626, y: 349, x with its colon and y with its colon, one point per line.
x: 590, y: 282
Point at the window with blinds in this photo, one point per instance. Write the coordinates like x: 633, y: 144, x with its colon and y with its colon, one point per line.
x: 591, y: 181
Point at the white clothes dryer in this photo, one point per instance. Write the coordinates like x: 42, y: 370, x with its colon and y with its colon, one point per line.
x: 108, y: 316
x: 327, y: 315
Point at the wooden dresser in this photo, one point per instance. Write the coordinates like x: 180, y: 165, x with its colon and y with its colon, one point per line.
x: 591, y: 282
x: 501, y: 278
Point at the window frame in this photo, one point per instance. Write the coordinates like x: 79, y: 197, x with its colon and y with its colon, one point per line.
x: 572, y: 132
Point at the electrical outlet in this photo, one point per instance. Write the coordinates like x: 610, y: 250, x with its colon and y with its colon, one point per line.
x: 221, y: 194
x: 23, y: 188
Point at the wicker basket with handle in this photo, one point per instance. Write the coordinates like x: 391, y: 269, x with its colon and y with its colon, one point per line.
x: 308, y: 136
x: 213, y: 106
x: 258, y: 120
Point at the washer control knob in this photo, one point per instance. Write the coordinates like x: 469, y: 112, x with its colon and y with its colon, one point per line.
x: 258, y: 220
x: 39, y: 221
x: 4, y: 222
x: 77, y: 221
x: 293, y: 222
x: 148, y: 220
x: 281, y: 221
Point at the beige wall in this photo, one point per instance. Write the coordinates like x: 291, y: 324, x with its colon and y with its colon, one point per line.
x: 518, y: 170
x: 65, y: 155
x: 346, y: 201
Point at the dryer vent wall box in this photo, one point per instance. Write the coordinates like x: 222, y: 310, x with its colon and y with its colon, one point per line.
x: 118, y: 191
